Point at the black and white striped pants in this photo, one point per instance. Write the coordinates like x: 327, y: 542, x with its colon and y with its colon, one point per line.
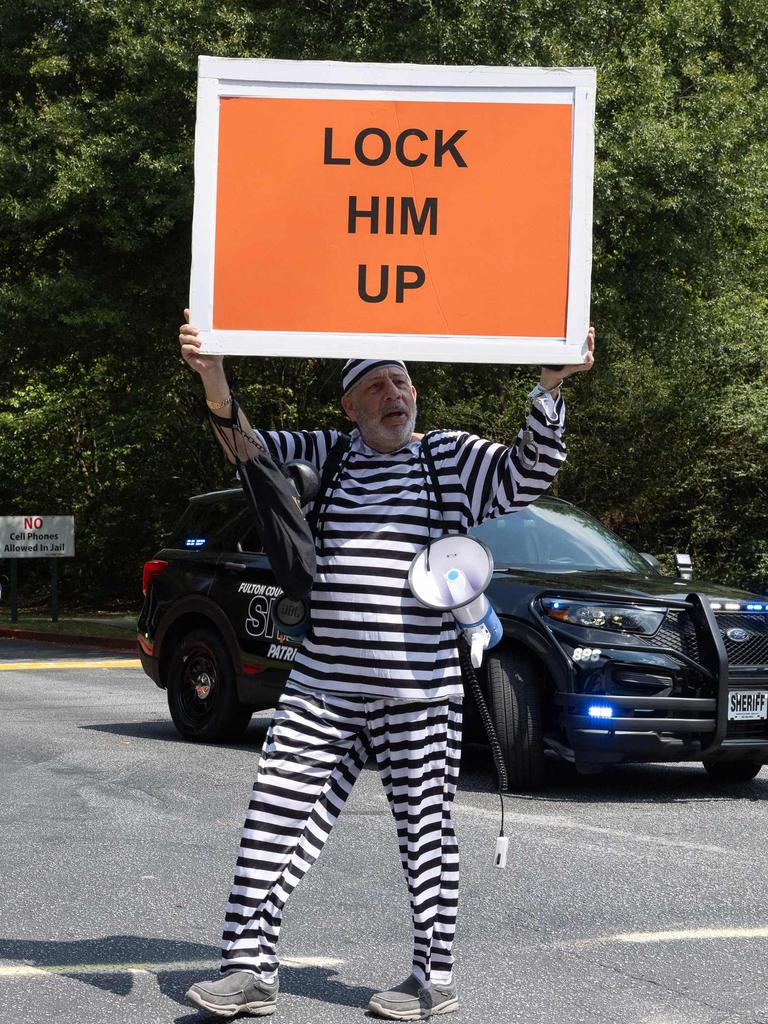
x: 316, y: 746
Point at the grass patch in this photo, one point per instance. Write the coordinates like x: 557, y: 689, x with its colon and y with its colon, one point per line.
x: 119, y: 626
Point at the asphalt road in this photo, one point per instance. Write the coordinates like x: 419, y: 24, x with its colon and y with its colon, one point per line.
x: 636, y: 897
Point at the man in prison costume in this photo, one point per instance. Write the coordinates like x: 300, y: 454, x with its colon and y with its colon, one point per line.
x: 378, y: 673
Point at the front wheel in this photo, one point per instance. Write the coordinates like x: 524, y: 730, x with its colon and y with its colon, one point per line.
x: 202, y: 695
x: 732, y: 771
x: 515, y: 684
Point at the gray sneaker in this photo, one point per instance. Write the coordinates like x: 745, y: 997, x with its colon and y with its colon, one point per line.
x: 411, y: 1001
x: 235, y: 992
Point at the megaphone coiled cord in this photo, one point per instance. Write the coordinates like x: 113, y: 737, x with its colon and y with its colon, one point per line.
x: 470, y: 676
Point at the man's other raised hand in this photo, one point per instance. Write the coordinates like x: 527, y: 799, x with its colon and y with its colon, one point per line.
x: 550, y: 378
x: 190, y: 350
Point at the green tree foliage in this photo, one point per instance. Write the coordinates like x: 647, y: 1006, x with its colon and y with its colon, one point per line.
x: 668, y: 438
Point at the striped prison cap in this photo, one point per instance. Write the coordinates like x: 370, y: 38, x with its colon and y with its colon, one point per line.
x: 355, y: 369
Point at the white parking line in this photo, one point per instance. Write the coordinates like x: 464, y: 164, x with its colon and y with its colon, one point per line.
x: 26, y: 970
x: 20, y: 666
x: 564, y: 822
x: 674, y: 935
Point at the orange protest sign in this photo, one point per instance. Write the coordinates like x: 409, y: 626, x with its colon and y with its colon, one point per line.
x: 418, y: 236
x: 336, y: 222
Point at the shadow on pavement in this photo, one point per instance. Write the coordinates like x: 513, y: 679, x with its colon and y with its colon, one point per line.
x: 106, y: 963
x: 165, y: 732
x: 680, y: 782
x: 676, y: 783
x: 629, y: 783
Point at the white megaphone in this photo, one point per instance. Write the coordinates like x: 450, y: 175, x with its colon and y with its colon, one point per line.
x: 451, y: 574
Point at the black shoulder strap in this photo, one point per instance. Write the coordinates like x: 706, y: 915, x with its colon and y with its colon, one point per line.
x: 330, y: 469
x: 433, y: 477
x: 429, y: 458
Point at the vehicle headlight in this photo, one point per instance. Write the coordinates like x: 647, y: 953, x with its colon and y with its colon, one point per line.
x: 619, y: 618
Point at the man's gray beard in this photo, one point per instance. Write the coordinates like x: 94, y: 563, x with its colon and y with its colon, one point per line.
x: 393, y: 438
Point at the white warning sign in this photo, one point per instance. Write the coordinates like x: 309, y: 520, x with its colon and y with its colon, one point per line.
x: 37, y: 536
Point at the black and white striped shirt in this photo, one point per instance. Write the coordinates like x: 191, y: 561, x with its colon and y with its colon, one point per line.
x: 368, y: 634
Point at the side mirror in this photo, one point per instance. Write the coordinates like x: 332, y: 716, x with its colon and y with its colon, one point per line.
x: 652, y: 561
x: 684, y: 566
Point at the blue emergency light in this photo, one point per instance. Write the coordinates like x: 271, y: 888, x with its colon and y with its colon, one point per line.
x: 600, y: 711
x: 739, y: 606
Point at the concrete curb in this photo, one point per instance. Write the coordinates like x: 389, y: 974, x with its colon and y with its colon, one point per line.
x: 106, y: 643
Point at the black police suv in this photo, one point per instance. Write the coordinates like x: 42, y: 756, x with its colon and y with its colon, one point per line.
x: 604, y: 659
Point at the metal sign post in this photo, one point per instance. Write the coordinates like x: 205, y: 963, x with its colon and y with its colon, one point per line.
x: 54, y: 590
x: 14, y: 590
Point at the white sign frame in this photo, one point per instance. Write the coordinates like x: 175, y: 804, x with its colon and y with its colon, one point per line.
x: 241, y: 77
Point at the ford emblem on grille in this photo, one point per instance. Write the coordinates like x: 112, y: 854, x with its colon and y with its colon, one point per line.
x: 739, y: 636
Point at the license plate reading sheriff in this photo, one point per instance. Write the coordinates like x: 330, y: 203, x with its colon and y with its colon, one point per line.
x: 747, y: 705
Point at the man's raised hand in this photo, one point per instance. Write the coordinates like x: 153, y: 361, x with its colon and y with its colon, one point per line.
x: 550, y: 378
x: 190, y: 349
x: 589, y: 358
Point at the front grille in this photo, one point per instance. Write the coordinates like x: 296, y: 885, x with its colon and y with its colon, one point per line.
x: 753, y: 651
x: 677, y: 633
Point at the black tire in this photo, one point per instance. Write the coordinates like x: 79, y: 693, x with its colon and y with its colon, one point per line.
x: 515, y: 685
x: 202, y: 695
x: 732, y: 771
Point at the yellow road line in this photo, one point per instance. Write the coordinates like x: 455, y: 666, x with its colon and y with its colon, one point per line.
x: 21, y: 666
x: 26, y: 970
x: 674, y: 935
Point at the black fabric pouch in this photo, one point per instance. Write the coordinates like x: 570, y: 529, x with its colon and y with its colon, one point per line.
x: 273, y: 502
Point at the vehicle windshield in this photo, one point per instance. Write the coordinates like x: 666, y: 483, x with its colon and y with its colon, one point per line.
x: 549, y: 536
